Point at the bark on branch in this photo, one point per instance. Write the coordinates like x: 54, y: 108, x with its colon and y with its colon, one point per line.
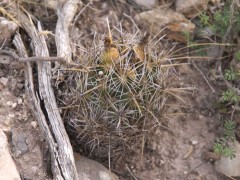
x: 47, y: 114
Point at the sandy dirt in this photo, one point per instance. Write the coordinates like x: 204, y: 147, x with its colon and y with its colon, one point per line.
x: 173, y: 154
x: 16, y: 120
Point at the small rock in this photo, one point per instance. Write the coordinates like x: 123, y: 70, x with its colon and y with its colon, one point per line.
x: 14, y: 105
x: 25, y: 116
x: 3, y: 81
x: 11, y: 115
x: 201, y: 117
x: 34, y: 124
x: 7, y: 28
x: 52, y: 4
x: 194, y: 142
x: 147, y: 3
x: 229, y: 166
x: 8, y: 168
x: 175, y: 23
x: 19, y: 101
x: 104, y: 175
x: 185, y: 172
x: 191, y: 8
x: 89, y: 169
x: 20, y: 85
x: 9, y: 103
x: 19, y: 143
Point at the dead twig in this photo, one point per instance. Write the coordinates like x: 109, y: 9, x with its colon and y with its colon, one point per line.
x: 35, y: 105
x: 134, y: 177
x: 35, y: 59
x: 65, y: 15
x: 63, y: 165
x: 204, y: 77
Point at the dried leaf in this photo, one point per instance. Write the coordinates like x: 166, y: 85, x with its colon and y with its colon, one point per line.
x: 139, y: 49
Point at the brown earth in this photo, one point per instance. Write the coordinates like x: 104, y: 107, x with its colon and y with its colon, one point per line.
x: 175, y: 154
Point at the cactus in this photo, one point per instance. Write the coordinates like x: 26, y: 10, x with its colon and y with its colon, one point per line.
x: 116, y: 95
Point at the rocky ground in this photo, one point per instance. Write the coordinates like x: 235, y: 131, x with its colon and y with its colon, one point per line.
x: 175, y: 153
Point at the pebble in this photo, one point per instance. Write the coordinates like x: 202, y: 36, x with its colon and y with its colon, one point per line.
x: 25, y: 116
x: 147, y: 3
x: 185, y: 172
x: 34, y: 124
x: 11, y: 115
x: 104, y: 175
x: 9, y: 103
x: 201, y: 117
x: 89, y: 169
x: 4, y: 81
x: 194, y: 142
x: 20, y: 85
x: 20, y: 101
x: 174, y: 23
x: 8, y: 169
x: 191, y: 8
x: 14, y: 105
x: 19, y: 143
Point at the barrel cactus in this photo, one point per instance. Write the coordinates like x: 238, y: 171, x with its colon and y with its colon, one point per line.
x: 115, y: 94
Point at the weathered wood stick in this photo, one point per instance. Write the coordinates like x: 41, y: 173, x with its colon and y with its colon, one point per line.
x: 63, y: 164
x: 35, y: 59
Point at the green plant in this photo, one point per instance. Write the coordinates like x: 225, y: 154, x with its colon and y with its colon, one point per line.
x: 230, y: 96
x: 221, y: 20
x: 222, y: 147
x: 230, y: 75
x: 225, y: 17
x: 204, y: 19
x: 237, y: 55
x: 229, y: 129
x: 114, y: 103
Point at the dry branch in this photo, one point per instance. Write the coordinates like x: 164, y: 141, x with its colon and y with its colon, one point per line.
x: 41, y: 59
x: 34, y: 100
x: 61, y: 150
x: 65, y: 15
